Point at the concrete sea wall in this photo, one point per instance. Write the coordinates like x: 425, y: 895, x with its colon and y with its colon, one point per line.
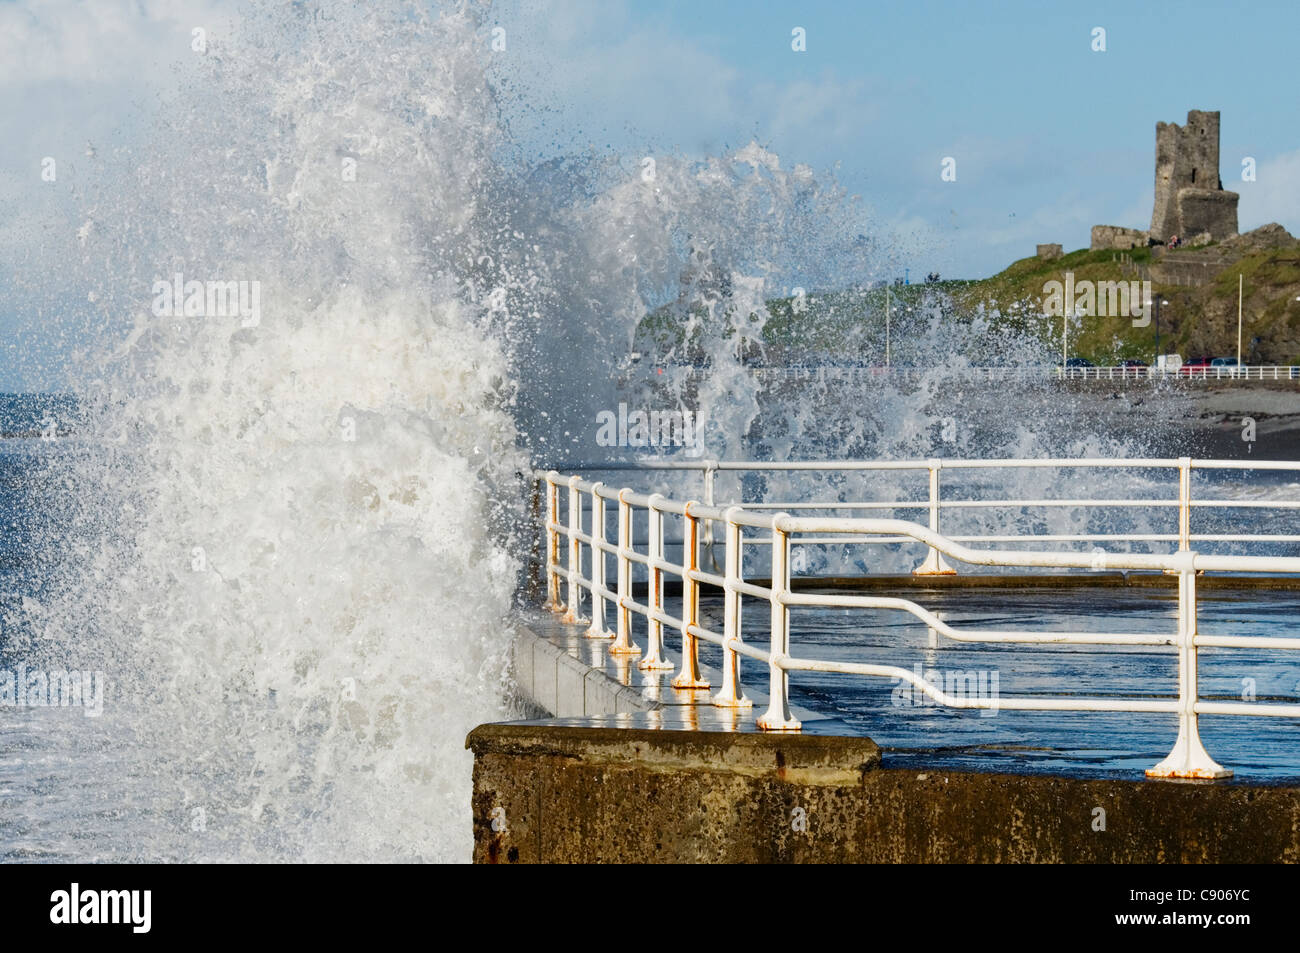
x: 555, y: 793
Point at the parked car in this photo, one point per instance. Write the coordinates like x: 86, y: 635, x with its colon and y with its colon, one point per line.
x: 1075, y: 367
x: 1197, y: 365
x: 1224, y: 362
x: 1133, y: 362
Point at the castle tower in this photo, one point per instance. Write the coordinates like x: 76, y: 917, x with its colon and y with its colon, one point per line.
x: 1190, y: 198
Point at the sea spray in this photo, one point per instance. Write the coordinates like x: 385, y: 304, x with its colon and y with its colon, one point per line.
x: 289, y: 543
x: 292, y: 545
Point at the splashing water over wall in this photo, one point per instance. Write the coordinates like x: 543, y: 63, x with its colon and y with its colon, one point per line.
x: 287, y: 540
x: 291, y: 543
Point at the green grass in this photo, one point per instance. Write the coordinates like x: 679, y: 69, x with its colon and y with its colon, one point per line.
x: 1195, y: 321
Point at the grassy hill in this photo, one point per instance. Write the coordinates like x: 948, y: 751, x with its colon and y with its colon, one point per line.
x: 1198, y: 320
x: 983, y: 316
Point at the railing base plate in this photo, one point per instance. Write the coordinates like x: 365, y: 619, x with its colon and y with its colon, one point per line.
x: 741, y: 702
x: 690, y: 684
x: 775, y: 724
x: 934, y: 565
x: 1189, y: 761
x: 1189, y: 774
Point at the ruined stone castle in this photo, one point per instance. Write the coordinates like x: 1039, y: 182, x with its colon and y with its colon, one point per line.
x: 1190, y: 199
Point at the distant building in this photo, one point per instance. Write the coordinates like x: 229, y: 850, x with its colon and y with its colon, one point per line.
x: 1191, y: 202
x: 1190, y: 198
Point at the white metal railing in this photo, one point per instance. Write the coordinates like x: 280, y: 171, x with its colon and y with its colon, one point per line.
x: 1253, y: 372
x: 1188, y: 759
x: 1257, y: 372
x: 1179, y: 500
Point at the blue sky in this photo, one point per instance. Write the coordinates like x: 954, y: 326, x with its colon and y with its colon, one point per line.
x: 1049, y: 137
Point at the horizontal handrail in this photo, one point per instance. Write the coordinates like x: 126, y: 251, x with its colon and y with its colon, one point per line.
x: 948, y: 463
x: 1183, y: 500
x: 1175, y: 562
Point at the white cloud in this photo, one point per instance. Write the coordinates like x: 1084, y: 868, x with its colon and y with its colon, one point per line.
x: 93, y: 42
x: 823, y: 111
x: 668, y: 88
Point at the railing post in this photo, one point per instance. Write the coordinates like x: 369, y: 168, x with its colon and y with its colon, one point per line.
x: 935, y: 564
x: 552, y: 567
x: 622, y: 644
x: 654, y: 658
x: 1184, y: 504
x: 731, y: 695
x: 689, y: 677
x: 710, y: 473
x: 597, y: 628
x: 572, y: 611
x: 778, y: 716
x: 1189, y: 759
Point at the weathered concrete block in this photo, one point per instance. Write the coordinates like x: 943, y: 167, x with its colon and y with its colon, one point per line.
x: 550, y: 676
x: 630, y: 699
x: 619, y: 795
x: 545, y: 657
x: 600, y: 693
x: 521, y: 657
x: 570, y: 687
x: 1050, y: 252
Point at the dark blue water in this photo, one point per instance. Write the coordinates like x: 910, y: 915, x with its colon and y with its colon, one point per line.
x: 34, y: 430
x: 27, y: 416
x: 1088, y: 744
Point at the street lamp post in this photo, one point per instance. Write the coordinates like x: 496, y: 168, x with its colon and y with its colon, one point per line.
x: 1158, y: 302
x: 1065, y: 333
x: 1240, y: 282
